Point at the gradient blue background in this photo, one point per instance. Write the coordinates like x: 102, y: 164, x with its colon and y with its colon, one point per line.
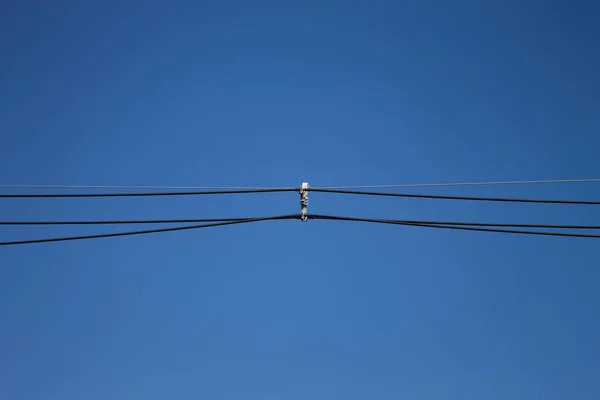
x: 274, y: 93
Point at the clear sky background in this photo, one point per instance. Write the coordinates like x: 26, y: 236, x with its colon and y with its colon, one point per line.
x: 275, y: 93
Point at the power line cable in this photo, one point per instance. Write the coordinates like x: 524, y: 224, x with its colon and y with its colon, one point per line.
x: 157, y: 187
x: 467, y: 226
x: 145, y: 194
x: 149, y: 231
x: 442, y: 197
x: 480, y: 224
x: 134, y: 187
x: 484, y: 183
x: 455, y: 227
x: 210, y: 220
x: 273, y: 190
x: 127, y: 222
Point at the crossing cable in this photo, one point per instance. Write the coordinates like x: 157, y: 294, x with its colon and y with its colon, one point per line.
x: 443, y: 197
x: 455, y: 227
x: 316, y: 216
x: 145, y: 194
x: 144, y: 232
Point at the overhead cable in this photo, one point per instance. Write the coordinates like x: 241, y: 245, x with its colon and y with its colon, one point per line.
x: 134, y: 187
x: 316, y: 216
x: 312, y: 189
x: 145, y: 194
x: 149, y: 231
x: 455, y: 227
x: 484, y: 183
x: 462, y: 223
x: 127, y: 222
x: 384, y: 186
x: 442, y: 197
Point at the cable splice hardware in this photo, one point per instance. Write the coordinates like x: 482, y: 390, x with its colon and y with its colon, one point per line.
x: 304, y: 201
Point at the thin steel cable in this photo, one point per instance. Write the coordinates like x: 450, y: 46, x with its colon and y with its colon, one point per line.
x: 390, y: 186
x: 454, y: 227
x: 144, y: 194
x: 149, y: 231
x: 442, y: 197
x: 484, y: 183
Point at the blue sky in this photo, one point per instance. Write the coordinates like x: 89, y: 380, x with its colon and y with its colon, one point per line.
x: 274, y: 94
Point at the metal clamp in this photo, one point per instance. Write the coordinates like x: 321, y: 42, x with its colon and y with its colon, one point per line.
x: 304, y: 201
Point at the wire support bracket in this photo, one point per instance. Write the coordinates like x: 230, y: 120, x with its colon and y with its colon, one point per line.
x: 304, y: 201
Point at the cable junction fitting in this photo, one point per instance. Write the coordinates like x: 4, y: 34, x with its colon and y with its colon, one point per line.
x: 304, y: 201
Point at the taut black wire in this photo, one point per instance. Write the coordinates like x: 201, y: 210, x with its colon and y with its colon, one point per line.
x: 483, y: 224
x: 455, y: 227
x: 126, y: 222
x: 144, y: 232
x: 467, y: 226
x: 144, y: 194
x: 442, y: 197
x: 209, y: 220
x: 274, y: 190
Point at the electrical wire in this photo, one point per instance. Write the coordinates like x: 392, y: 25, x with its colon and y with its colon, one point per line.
x: 146, y: 187
x: 210, y: 220
x: 467, y: 226
x: 390, y: 186
x: 144, y: 232
x: 144, y: 194
x: 126, y: 222
x: 455, y: 227
x: 431, y: 196
x: 488, y: 183
x: 317, y: 190
x: 481, y: 224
